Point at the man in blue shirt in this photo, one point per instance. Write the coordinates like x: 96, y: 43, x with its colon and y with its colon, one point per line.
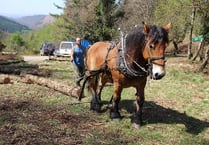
x: 77, y: 56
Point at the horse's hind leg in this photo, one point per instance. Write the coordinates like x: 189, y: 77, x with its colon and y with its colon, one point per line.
x: 95, y: 101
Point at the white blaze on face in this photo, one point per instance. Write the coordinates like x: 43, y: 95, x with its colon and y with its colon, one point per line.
x: 158, y: 72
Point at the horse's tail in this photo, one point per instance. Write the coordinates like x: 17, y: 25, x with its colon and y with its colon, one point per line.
x: 83, y: 86
x: 87, y: 76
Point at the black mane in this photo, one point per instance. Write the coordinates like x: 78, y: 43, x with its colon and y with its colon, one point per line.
x: 158, y: 34
x: 136, y: 37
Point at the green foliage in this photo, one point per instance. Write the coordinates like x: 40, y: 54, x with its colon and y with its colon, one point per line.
x: 94, y: 20
x: 106, y: 16
x: 176, y: 11
x: 34, y: 40
x: 204, y: 14
x: 16, y: 41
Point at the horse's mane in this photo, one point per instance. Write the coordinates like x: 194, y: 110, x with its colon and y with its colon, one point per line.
x: 136, y: 37
x: 158, y: 34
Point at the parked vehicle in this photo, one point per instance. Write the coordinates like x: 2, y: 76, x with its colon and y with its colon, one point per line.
x: 47, y: 48
x: 64, y: 48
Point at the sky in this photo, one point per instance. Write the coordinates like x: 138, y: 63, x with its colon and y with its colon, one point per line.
x: 18, y: 8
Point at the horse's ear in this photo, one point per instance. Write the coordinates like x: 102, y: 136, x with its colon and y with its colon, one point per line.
x: 167, y: 27
x: 146, y: 28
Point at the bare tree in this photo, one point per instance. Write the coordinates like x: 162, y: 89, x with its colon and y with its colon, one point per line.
x: 136, y: 11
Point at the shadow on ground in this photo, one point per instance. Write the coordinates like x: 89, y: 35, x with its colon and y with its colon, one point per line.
x: 154, y: 113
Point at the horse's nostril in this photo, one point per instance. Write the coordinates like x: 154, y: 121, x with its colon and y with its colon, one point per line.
x: 156, y: 75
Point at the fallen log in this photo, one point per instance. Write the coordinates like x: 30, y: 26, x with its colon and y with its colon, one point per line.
x: 22, y: 71
x: 67, y: 90
x: 29, y: 79
x: 71, y: 91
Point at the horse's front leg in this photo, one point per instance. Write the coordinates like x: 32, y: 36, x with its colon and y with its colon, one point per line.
x: 137, y: 117
x: 114, y: 112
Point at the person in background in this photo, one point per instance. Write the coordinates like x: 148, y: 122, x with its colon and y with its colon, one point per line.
x: 77, y: 57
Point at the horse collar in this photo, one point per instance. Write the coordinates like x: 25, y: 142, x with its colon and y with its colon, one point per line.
x: 122, y: 65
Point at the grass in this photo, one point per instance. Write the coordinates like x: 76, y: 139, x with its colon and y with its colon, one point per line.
x: 175, y: 111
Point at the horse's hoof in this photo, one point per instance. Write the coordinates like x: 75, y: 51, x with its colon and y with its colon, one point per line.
x: 115, y: 115
x: 95, y: 107
x: 135, y: 125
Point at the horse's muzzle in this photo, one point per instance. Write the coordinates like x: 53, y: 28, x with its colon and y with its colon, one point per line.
x: 157, y: 72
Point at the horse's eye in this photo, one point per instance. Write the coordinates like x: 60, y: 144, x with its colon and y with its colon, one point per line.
x: 152, y: 46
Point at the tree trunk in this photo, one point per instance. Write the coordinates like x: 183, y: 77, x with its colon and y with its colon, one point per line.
x: 201, y: 45
x: 175, y: 48
x: 29, y: 79
x: 205, y: 62
x: 189, y: 55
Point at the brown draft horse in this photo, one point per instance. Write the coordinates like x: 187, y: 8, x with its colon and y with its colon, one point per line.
x: 127, y: 64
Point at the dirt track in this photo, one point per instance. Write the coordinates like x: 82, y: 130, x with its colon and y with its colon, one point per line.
x: 32, y: 59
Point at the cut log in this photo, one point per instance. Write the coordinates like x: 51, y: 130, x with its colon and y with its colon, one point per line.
x: 65, y: 89
x: 4, y: 79
x: 71, y: 91
x: 23, y: 71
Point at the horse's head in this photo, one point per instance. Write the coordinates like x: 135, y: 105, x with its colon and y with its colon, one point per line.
x: 154, y: 51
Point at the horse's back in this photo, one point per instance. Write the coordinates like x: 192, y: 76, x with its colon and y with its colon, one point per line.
x: 96, y: 55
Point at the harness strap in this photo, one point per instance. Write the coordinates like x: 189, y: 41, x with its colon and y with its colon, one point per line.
x: 122, y: 65
x: 112, y: 45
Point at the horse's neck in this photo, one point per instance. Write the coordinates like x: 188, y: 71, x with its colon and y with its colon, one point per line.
x: 134, y: 55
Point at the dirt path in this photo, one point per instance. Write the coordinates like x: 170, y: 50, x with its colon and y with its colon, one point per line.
x: 32, y: 59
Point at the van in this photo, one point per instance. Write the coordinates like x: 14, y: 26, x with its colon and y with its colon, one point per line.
x: 64, y: 48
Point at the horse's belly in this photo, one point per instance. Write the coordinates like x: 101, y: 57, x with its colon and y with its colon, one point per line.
x: 126, y: 82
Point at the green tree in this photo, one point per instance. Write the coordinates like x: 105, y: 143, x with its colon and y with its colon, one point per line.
x: 94, y: 20
x: 178, y: 12
x: 77, y: 19
x: 204, y: 14
x: 204, y: 29
x: 107, y: 13
x: 16, y: 41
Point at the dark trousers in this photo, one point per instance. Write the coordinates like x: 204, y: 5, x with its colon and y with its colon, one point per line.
x: 79, y: 73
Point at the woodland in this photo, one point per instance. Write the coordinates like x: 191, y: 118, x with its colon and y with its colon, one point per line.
x: 99, y: 20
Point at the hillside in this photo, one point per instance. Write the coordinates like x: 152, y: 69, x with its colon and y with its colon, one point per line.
x: 35, y: 22
x: 11, y: 26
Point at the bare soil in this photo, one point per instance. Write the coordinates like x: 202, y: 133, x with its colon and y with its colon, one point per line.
x: 28, y: 122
